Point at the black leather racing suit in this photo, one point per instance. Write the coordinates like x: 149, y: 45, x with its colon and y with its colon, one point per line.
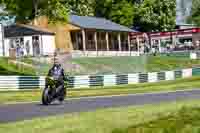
x: 58, y: 73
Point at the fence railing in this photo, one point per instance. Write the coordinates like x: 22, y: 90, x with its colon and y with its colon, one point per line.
x: 78, y: 54
x: 86, y: 81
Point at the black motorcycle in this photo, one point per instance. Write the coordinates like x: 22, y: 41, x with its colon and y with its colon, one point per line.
x: 50, y: 92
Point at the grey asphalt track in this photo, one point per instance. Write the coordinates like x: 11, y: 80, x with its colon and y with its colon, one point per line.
x: 18, y: 112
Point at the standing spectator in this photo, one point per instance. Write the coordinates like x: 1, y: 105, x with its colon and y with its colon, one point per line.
x: 18, y: 50
x: 28, y: 47
x: 21, y: 51
x: 154, y: 50
x: 37, y: 47
x: 34, y: 47
x: 168, y: 49
x: 21, y: 48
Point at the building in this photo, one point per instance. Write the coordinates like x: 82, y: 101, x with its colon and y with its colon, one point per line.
x: 27, y: 40
x: 94, y: 35
x: 180, y: 39
x: 91, y: 36
x: 81, y: 36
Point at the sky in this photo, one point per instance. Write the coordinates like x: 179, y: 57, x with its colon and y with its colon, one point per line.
x: 183, y: 10
x: 5, y: 22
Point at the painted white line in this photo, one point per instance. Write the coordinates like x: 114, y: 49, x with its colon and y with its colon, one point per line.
x: 110, y: 96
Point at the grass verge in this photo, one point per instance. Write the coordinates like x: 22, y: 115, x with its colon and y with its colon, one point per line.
x: 122, y: 65
x: 175, y: 115
x: 35, y: 95
x: 101, y: 65
x: 8, y: 68
x: 185, y: 120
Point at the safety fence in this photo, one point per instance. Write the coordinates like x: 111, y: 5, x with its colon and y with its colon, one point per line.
x: 21, y: 82
x: 86, y: 81
x: 78, y: 54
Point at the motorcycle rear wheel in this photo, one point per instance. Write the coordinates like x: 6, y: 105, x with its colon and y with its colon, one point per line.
x: 62, y: 97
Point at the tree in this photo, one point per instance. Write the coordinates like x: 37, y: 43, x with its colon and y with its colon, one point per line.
x: 195, y: 13
x: 55, y: 10
x: 59, y: 12
x: 18, y: 8
x: 26, y: 11
x: 146, y: 14
x: 81, y: 7
x: 155, y: 15
x: 102, y: 8
x: 122, y: 13
x: 5, y: 18
x: 119, y: 11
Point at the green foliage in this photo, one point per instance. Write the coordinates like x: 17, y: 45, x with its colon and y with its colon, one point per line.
x: 155, y: 15
x: 82, y: 7
x: 59, y: 12
x: 26, y: 10
x: 55, y: 10
x: 118, y: 11
x: 147, y: 14
x: 195, y: 17
x: 22, y: 9
x: 122, y: 13
x: 102, y: 8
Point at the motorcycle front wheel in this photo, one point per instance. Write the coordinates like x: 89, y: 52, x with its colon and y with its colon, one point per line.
x: 46, y: 98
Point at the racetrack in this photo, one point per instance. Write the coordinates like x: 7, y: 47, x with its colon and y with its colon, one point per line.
x: 17, y: 112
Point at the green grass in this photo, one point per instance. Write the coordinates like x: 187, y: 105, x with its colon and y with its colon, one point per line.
x: 111, y: 65
x: 185, y: 120
x: 177, y: 54
x: 181, y: 84
x: 122, y: 65
x: 162, y: 63
x: 104, y: 65
x: 40, y: 68
x: 166, y: 117
x: 8, y: 68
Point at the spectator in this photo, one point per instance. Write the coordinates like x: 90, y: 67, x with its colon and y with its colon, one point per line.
x: 18, y: 50
x: 154, y: 51
x: 27, y: 47
x: 21, y: 51
x: 168, y: 49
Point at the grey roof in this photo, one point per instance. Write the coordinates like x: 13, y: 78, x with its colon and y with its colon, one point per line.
x: 97, y: 23
x: 25, y: 30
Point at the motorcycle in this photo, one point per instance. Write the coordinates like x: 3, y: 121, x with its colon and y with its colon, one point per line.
x: 50, y: 92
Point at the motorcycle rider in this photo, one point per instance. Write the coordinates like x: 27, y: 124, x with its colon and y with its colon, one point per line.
x: 57, y: 72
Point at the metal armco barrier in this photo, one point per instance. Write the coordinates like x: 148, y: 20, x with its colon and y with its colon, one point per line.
x: 21, y: 82
x: 86, y: 81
